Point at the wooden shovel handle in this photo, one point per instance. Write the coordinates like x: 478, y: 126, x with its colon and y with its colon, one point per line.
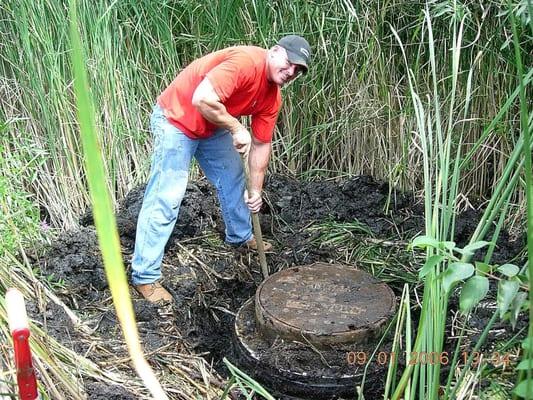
x: 255, y: 222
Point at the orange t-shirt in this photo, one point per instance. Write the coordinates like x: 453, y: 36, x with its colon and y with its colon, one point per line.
x: 238, y: 75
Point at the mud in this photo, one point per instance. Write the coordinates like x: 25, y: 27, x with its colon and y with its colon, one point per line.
x: 210, y: 280
x: 102, y: 391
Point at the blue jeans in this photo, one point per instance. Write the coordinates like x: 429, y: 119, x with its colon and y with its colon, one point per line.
x: 173, y: 152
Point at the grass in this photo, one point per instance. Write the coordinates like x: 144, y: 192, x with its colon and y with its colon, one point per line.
x: 355, y: 244
x: 249, y: 387
x: 19, y: 218
x: 135, y: 49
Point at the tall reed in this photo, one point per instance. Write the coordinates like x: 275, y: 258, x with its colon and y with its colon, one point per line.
x: 524, y: 387
x: 440, y: 135
x: 348, y: 116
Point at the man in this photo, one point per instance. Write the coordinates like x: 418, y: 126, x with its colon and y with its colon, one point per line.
x: 196, y: 116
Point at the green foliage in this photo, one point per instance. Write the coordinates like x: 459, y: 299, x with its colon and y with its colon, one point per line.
x: 456, y: 272
x: 339, y: 119
x: 248, y: 386
x: 522, y: 387
x: 474, y: 290
x: 507, y: 290
x: 525, y: 364
x: 476, y: 286
x: 470, y: 249
x: 19, y: 213
x: 425, y: 241
x: 508, y: 270
x: 430, y: 264
x: 440, y: 138
x: 517, y: 306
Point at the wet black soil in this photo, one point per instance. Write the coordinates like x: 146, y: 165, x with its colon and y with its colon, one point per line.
x: 210, y: 280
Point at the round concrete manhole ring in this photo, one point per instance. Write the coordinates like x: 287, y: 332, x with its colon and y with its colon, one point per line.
x: 295, y: 369
x: 323, y: 304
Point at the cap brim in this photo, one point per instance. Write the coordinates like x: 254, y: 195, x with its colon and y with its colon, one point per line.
x: 294, y: 58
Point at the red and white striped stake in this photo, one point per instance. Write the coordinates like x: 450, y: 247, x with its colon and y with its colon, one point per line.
x: 20, y: 332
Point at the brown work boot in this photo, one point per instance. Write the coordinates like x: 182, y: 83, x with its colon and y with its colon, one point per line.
x: 154, y: 292
x: 252, y: 245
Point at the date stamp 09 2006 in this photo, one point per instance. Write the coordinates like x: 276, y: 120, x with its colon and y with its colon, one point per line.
x: 413, y: 358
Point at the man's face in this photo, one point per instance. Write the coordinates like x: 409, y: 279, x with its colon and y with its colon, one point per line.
x: 279, y: 69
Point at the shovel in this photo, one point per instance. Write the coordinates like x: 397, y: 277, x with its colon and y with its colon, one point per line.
x: 255, y: 223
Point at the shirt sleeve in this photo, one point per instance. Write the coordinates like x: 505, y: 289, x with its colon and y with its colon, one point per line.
x: 263, y: 123
x: 230, y: 75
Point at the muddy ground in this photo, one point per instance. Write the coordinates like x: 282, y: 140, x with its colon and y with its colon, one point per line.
x: 210, y: 280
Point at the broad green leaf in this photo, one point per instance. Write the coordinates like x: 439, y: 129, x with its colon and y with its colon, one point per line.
x: 525, y: 364
x: 482, y: 268
x: 456, y: 272
x: 507, y: 290
x: 509, y: 270
x: 430, y: 264
x: 473, y: 291
x: 447, y: 245
x: 527, y: 343
x: 521, y: 388
x: 425, y: 241
x: 472, y: 247
x: 516, y: 307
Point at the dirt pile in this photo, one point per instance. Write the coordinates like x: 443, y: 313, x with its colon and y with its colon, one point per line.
x: 210, y: 280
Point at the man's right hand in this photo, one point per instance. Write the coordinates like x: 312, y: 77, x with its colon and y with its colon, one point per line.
x: 253, y: 200
x: 242, y: 141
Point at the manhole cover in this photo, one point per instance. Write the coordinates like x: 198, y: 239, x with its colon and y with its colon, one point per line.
x: 323, y: 304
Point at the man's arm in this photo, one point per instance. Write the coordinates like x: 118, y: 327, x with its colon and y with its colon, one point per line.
x: 258, y: 163
x: 207, y: 102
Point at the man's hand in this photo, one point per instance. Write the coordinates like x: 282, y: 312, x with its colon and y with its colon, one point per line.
x: 242, y: 141
x: 207, y: 102
x: 254, y: 201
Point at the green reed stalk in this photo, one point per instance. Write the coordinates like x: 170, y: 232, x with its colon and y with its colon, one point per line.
x: 436, y: 148
x: 442, y: 176
x: 526, y: 134
x: 103, y: 213
x: 403, y: 316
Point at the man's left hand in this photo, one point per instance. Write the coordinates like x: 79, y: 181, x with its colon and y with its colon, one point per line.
x: 254, y: 200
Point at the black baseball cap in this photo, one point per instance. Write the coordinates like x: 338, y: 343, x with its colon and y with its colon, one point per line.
x: 298, y: 50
